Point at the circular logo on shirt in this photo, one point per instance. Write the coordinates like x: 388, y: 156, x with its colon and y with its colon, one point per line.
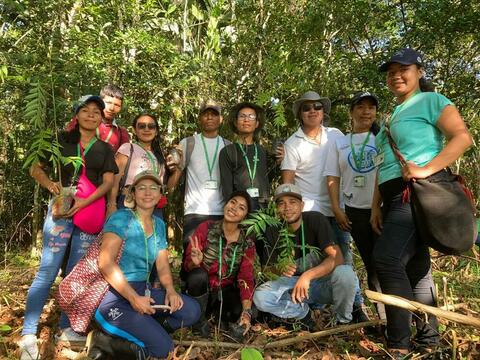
x: 367, y: 164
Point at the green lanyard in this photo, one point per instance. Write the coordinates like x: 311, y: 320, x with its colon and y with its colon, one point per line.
x: 108, y: 136
x: 358, y: 158
x: 220, y: 255
x: 82, y: 154
x: 151, y: 157
x: 145, y: 241
x: 303, y: 247
x: 255, y: 161
x: 210, y: 166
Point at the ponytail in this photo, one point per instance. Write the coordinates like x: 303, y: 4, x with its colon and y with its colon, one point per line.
x: 426, y: 85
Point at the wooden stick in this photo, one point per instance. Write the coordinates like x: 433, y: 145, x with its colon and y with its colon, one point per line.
x: 415, y: 306
x: 318, y: 334
x: 283, y: 342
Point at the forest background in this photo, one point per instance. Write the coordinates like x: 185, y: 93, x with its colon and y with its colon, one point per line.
x: 168, y: 56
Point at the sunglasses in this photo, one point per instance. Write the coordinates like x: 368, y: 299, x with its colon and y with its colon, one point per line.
x: 316, y: 106
x: 143, y: 126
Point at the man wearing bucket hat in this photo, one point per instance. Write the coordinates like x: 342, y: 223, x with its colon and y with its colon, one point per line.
x: 318, y: 275
x: 304, y: 163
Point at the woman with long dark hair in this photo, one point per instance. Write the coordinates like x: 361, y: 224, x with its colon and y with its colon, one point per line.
x: 419, y: 124
x: 144, y: 153
x: 219, y: 265
x: 59, y: 231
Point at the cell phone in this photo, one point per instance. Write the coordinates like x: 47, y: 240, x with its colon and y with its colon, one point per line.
x: 161, y: 307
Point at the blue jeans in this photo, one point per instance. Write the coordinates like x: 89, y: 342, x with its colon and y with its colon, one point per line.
x: 57, y: 234
x: 343, y: 240
x: 337, y: 288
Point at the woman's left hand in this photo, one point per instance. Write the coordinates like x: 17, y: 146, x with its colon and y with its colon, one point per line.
x: 77, y: 205
x: 412, y: 171
x: 174, y: 300
x: 245, y: 321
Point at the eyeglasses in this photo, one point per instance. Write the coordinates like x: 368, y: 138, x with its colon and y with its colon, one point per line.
x: 249, y: 117
x: 145, y: 187
x: 316, y: 106
x: 143, y: 126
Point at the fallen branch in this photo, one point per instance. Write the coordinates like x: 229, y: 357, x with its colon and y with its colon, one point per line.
x: 415, y: 306
x: 323, y: 333
x: 280, y: 343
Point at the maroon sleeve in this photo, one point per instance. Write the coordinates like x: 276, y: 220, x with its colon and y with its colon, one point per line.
x: 124, y: 137
x: 246, y: 277
x: 201, y: 233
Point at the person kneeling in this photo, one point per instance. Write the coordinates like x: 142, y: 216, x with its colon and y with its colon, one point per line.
x: 317, y: 277
x: 219, y: 265
x: 137, y: 316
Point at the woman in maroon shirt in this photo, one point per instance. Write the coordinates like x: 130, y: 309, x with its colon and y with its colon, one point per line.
x: 219, y: 264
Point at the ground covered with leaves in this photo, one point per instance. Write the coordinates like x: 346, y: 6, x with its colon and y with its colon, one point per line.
x: 458, y: 287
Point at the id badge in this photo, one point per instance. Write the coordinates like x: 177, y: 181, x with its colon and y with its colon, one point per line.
x: 378, y: 160
x: 253, y: 192
x: 148, y: 293
x: 359, y: 181
x: 211, y: 184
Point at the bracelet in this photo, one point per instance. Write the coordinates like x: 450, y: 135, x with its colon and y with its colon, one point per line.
x: 111, y: 204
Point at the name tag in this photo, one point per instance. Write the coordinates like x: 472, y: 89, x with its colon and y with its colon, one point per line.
x: 253, y: 192
x: 359, y: 181
x: 211, y: 184
x: 378, y: 160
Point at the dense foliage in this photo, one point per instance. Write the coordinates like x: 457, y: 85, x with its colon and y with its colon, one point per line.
x: 168, y: 55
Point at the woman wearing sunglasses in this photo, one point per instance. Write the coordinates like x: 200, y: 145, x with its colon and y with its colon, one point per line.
x: 144, y: 153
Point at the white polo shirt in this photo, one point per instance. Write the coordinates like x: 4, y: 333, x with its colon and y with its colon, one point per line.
x: 307, y: 158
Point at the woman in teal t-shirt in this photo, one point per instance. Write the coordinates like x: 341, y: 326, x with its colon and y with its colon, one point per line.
x: 138, y: 316
x: 419, y: 124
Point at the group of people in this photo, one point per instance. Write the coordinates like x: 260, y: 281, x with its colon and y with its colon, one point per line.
x: 334, y: 187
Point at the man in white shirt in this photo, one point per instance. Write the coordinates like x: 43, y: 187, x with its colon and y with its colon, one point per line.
x: 203, y: 195
x: 304, y: 162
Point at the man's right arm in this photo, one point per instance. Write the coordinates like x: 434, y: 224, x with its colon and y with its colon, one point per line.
x: 289, y: 165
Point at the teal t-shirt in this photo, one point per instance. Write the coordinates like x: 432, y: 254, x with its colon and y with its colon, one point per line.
x: 413, y: 126
x: 133, y: 262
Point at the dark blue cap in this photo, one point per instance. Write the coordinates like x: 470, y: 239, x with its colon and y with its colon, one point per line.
x: 84, y: 100
x: 404, y: 56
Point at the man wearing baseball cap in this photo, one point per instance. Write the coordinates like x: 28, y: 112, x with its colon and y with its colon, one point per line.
x: 318, y: 274
x: 199, y: 163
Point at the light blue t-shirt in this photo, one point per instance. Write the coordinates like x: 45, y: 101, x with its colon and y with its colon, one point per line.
x: 133, y: 262
x: 413, y: 128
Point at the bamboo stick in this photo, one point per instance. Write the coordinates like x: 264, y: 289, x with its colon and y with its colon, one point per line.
x: 415, y: 306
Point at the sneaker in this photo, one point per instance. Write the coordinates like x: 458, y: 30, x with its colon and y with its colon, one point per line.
x: 28, y: 347
x: 71, y: 338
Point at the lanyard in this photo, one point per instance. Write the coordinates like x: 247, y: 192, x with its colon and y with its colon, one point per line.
x: 303, y: 247
x: 82, y: 154
x: 358, y: 158
x: 108, y: 136
x: 151, y: 157
x: 400, y: 107
x: 247, y: 161
x: 205, y: 150
x: 145, y: 242
x: 220, y: 255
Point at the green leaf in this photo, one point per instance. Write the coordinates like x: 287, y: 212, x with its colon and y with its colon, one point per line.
x: 197, y: 13
x: 250, y: 354
x: 5, y: 328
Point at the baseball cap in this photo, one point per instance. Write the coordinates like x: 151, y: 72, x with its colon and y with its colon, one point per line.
x: 210, y: 104
x: 146, y: 174
x: 287, y: 190
x: 363, y: 95
x: 84, y: 100
x: 405, y: 56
